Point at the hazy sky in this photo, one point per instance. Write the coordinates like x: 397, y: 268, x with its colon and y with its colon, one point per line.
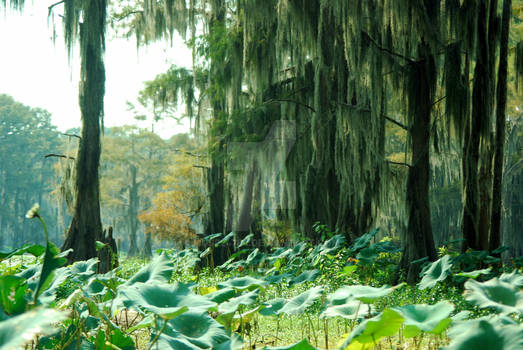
x: 37, y: 73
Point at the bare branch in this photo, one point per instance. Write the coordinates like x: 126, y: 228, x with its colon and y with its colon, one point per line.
x: 72, y: 135
x: 399, y: 163
x: 58, y: 156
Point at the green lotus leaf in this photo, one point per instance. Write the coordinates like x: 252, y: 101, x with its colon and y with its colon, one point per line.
x: 365, y: 294
x: 427, y: 318
x: 193, y: 330
x: 367, y: 256
x: 160, y: 270
x: 350, y: 310
x: 243, y: 283
x: 276, y: 279
x: 82, y: 270
x: 210, y: 238
x: 502, y: 296
x: 303, y: 345
x: 438, y: 271
x: 52, y: 261
x: 372, y: 330
x: 205, y: 252
x: 21, y: 329
x: 254, y: 257
x: 273, y: 307
x: 484, y: 335
x: 234, y: 343
x: 246, y: 240
x: 474, y: 274
x: 225, y: 239
x: 306, y: 276
x: 121, y: 340
x: 12, y: 295
x: 166, y: 300
x: 332, y: 245
x: 33, y: 249
x: 514, y: 278
x: 60, y: 276
x: 363, y: 241
x: 233, y: 304
x: 221, y: 295
x: 299, y: 303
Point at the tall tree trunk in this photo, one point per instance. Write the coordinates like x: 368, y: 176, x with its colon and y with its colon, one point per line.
x: 245, y: 217
x: 485, y: 194
x: 133, y: 213
x: 215, y: 178
x: 419, y: 241
x: 86, y: 225
x: 501, y: 96
x: 480, y: 112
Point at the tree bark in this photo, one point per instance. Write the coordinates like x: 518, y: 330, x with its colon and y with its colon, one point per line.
x: 419, y: 241
x: 499, y: 146
x: 86, y: 225
x: 480, y: 111
x: 133, y: 212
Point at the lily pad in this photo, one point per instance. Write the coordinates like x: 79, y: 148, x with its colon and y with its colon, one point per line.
x: 306, y: 276
x: 427, y: 318
x: 372, y: 330
x: 300, y: 303
x: 160, y: 269
x: 243, y: 283
x: 273, y: 307
x: 500, y: 295
x: 438, y: 271
x: 484, y: 335
x: 303, y: 345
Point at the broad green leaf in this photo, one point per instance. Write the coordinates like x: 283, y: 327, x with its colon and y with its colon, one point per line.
x: 365, y: 294
x: 303, y: 345
x: 12, y: 295
x: 192, y: 330
x: 349, y: 269
x: 367, y: 256
x: 33, y: 249
x: 306, y: 276
x: 300, y: 303
x: 225, y: 239
x: 234, y: 343
x: 246, y: 240
x: 484, y: 335
x: 222, y: 295
x: 332, y: 245
x: 121, y: 340
x: 160, y: 269
x: 82, y: 270
x: 427, y: 318
x: 210, y: 238
x: 254, y: 256
x: 474, y: 274
x: 350, y: 310
x: 205, y: 252
x: 273, y: 307
x: 243, y: 283
x: 514, y: 278
x: 166, y: 300
x: 99, y: 245
x: 52, y: 261
x: 233, y: 304
x: 502, y: 296
x: 438, y: 271
x: 372, y: 330
x: 21, y: 329
x: 363, y: 241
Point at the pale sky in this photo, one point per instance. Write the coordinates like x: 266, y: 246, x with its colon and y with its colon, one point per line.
x: 36, y: 72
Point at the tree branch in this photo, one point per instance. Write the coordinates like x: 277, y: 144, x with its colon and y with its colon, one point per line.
x: 390, y: 52
x: 50, y: 8
x: 72, y: 135
x: 399, y: 163
x: 58, y: 156
x: 362, y: 109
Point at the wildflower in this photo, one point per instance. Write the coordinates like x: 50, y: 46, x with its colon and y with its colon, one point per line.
x: 34, y: 212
